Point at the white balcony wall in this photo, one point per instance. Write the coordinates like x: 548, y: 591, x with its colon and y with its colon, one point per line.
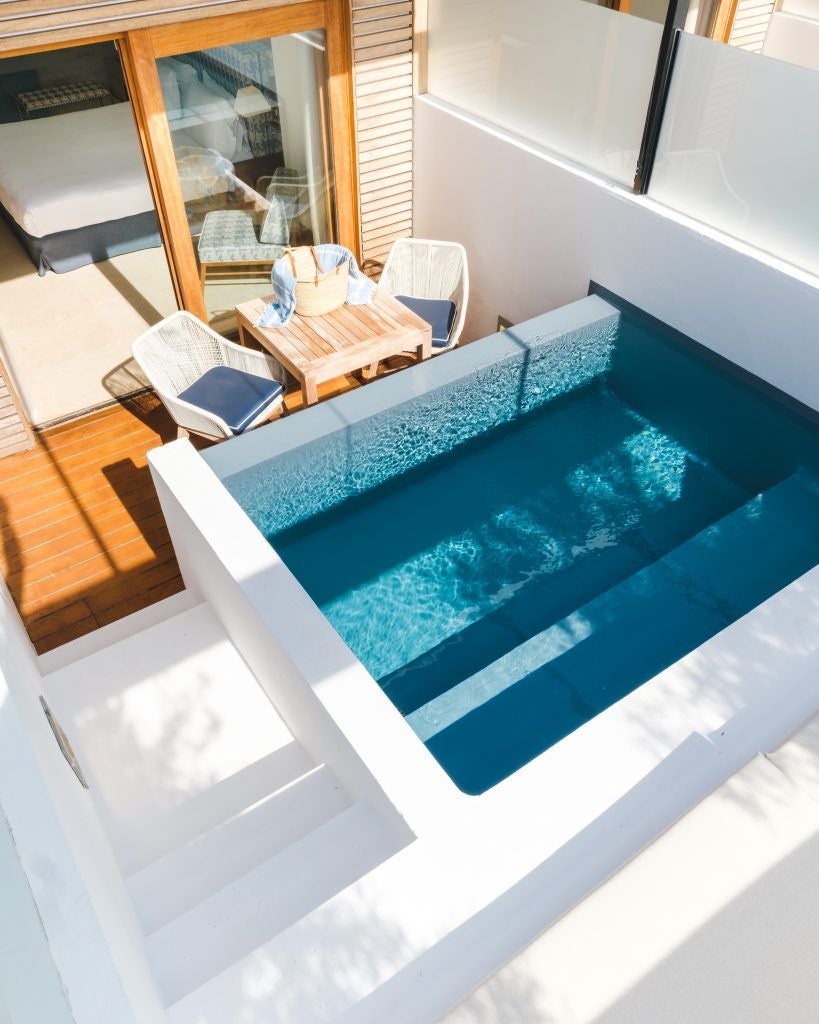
x: 739, y: 150
x: 801, y: 8
x: 534, y: 243
x: 794, y: 38
x: 570, y: 76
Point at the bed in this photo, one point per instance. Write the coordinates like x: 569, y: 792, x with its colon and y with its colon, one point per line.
x: 73, y: 187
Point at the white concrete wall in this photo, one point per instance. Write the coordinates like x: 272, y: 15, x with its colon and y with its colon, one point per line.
x: 30, y: 985
x: 484, y: 874
x: 224, y: 559
x: 794, y: 38
x: 802, y: 8
x: 538, y: 229
x: 79, y: 894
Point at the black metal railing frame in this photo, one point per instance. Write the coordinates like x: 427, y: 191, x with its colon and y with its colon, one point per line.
x: 669, y: 43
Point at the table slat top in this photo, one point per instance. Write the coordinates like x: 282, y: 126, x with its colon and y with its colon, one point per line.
x: 308, y: 341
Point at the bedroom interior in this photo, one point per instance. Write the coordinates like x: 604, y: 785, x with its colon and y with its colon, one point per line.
x: 111, y: 217
x: 81, y: 255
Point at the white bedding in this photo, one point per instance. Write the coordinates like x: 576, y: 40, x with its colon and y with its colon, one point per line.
x: 72, y: 170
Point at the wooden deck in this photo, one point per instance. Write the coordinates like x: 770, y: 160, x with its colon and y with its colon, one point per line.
x: 84, y: 542
x: 83, y: 538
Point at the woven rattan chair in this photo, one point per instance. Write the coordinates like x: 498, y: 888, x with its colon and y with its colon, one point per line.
x: 187, y: 364
x: 435, y: 275
x: 229, y: 237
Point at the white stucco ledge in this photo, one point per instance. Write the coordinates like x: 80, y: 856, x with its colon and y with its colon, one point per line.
x: 476, y: 878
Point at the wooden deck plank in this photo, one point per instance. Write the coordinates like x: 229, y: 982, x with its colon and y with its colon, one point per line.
x: 82, y: 539
x: 34, y: 514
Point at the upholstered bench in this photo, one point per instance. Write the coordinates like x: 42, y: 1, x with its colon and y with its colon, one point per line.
x: 229, y: 237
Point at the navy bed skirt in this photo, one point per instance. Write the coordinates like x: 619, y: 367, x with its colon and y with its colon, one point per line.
x: 68, y: 250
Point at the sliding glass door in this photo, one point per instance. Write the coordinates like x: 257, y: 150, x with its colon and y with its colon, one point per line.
x: 247, y: 124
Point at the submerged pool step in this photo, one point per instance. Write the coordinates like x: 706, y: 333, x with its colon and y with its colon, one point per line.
x: 542, y: 602
x: 245, y: 914
x: 171, y: 886
x: 504, y: 715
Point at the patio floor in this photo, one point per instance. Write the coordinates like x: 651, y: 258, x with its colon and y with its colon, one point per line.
x: 82, y: 538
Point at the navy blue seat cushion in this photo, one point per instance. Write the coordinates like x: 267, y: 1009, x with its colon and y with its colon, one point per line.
x: 236, y: 396
x: 438, y: 313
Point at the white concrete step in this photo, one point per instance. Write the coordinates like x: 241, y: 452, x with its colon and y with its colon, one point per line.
x: 799, y: 758
x: 193, y: 948
x: 174, y: 734
x: 173, y: 885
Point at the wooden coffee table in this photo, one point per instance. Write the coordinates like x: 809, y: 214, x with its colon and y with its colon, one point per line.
x: 318, y: 348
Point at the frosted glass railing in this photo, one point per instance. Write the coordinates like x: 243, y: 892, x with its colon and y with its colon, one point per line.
x: 571, y: 76
x: 739, y: 148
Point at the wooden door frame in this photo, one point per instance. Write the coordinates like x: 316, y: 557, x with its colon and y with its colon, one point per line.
x: 139, y: 51
x: 722, y: 20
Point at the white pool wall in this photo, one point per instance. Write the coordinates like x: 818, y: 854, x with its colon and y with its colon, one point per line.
x: 479, y: 877
x: 344, y: 412
x: 411, y: 778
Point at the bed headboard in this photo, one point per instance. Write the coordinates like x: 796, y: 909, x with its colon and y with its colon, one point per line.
x: 234, y: 68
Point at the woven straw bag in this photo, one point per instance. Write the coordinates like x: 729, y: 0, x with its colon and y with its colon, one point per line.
x: 316, y: 292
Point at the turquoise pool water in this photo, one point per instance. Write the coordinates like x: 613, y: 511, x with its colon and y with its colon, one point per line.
x: 511, y: 554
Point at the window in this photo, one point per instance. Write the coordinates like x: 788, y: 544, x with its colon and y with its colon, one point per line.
x: 248, y: 128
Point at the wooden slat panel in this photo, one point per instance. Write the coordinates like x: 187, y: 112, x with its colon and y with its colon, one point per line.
x: 384, y: 50
x: 376, y: 88
x: 378, y: 64
x: 387, y: 186
x: 379, y: 11
x: 401, y: 25
x: 382, y: 151
x: 374, y: 40
x: 391, y: 164
x: 380, y: 109
x: 398, y: 65
x: 389, y: 217
x: 365, y: 103
x: 383, y: 128
x: 383, y: 73
x: 398, y: 194
x: 388, y: 233
x: 375, y: 173
x: 750, y: 25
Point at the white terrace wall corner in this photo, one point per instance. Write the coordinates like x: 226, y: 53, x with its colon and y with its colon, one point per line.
x: 537, y: 230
